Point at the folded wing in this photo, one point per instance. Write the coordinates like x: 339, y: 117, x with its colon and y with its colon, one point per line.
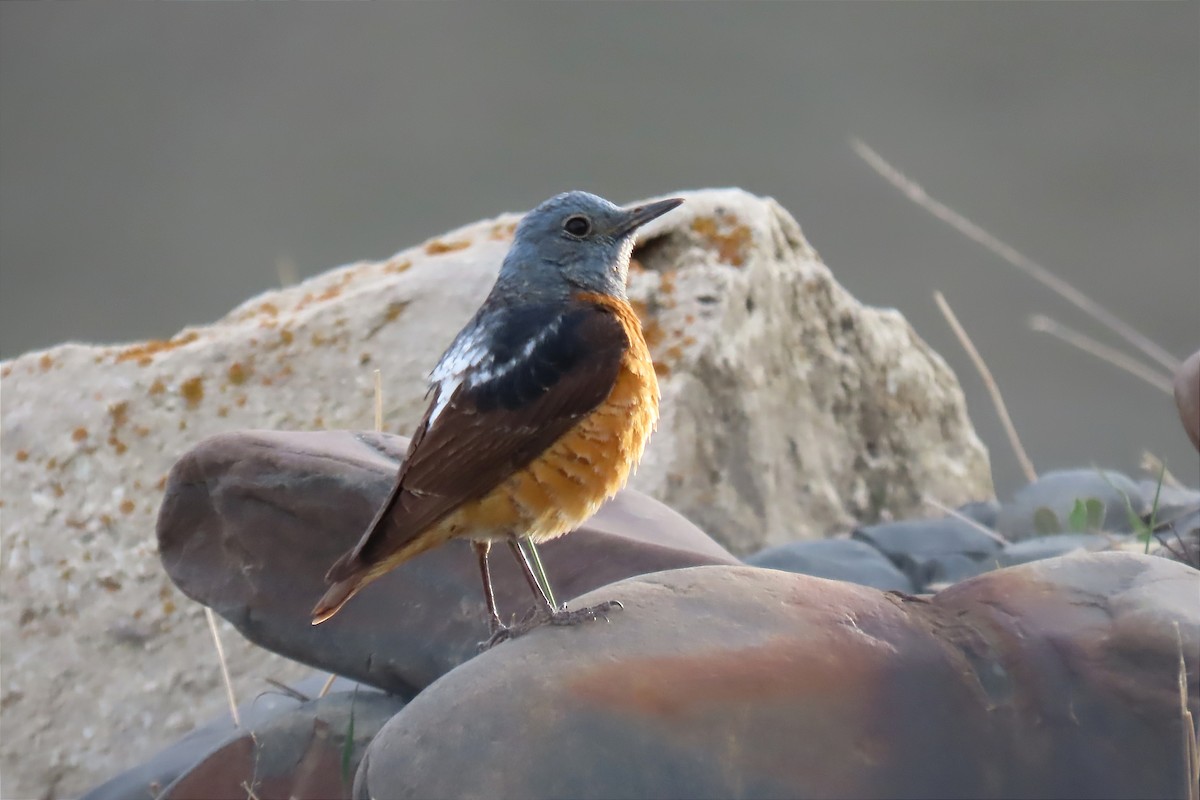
x: 532, y: 389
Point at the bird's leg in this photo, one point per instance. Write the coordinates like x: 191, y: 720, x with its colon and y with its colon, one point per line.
x: 497, y: 629
x: 557, y: 616
x: 535, y: 585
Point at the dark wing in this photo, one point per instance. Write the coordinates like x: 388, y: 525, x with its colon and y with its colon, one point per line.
x: 490, y: 429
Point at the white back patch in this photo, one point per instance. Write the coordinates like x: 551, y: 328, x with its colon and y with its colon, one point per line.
x: 470, y: 360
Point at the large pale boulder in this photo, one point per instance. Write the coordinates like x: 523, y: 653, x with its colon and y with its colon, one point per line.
x: 789, y: 410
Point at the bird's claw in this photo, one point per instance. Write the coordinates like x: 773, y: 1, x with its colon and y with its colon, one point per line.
x: 500, y: 634
x: 591, y: 614
x: 541, y: 616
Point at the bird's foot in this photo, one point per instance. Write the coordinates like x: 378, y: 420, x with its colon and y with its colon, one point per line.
x: 540, y: 616
x: 563, y: 616
x: 500, y: 633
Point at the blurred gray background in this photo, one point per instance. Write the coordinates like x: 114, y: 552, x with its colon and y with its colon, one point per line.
x: 158, y: 160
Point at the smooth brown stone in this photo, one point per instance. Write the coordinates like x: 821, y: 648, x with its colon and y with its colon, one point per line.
x: 251, y: 521
x: 1057, y: 679
x: 1187, y: 396
x: 300, y: 755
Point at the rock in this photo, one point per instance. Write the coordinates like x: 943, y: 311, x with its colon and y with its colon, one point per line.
x: 1055, y: 679
x: 786, y: 402
x: 1187, y: 397
x: 985, y: 512
x: 836, y: 559
x: 1041, y: 547
x: 1059, y: 490
x: 1170, y: 501
x: 302, y: 754
x: 932, y: 551
x: 251, y: 521
x: 151, y: 777
x: 817, y: 412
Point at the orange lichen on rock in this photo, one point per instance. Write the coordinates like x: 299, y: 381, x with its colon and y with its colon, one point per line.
x: 437, y: 246
x: 127, y: 506
x: 119, y: 412
x: 393, y: 311
x: 144, y: 353
x: 4, y: 373
x: 238, y: 373
x: 731, y: 238
x: 116, y: 444
x: 503, y: 231
x: 79, y: 434
x: 286, y: 336
x: 396, y: 267
x: 192, y: 391
x: 46, y: 362
x: 158, y: 387
x: 22, y: 455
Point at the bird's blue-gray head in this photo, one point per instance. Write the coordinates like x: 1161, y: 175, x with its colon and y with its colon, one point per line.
x: 574, y: 241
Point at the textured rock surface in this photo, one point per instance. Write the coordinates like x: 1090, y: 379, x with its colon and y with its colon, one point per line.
x: 251, y: 521
x: 1057, y: 679
x: 790, y: 409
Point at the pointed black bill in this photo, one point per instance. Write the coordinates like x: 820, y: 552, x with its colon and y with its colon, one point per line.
x: 640, y: 215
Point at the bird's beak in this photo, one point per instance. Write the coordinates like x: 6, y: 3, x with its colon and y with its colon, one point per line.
x: 638, y: 216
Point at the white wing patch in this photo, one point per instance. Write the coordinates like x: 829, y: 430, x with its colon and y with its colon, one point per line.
x: 470, y: 360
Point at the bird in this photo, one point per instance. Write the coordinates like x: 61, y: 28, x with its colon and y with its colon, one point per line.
x: 538, y: 411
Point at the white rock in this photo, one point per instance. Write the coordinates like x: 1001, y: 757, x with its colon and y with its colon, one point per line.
x: 789, y: 410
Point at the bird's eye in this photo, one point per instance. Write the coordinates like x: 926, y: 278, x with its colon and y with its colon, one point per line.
x: 577, y: 225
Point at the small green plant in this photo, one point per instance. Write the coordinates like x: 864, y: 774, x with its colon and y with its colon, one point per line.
x: 1087, y: 516
x: 1143, y: 527
x: 348, y: 744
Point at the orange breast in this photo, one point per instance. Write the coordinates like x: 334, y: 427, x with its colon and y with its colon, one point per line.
x: 565, y: 486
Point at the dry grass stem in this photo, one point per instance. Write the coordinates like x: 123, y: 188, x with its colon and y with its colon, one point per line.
x: 917, y: 194
x: 974, y: 523
x: 1087, y: 344
x: 1191, y: 745
x: 328, y: 685
x: 378, y: 401
x: 990, y: 382
x: 249, y: 792
x: 285, y: 269
x: 216, y: 636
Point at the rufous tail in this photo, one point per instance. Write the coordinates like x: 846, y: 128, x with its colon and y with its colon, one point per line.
x: 335, y: 598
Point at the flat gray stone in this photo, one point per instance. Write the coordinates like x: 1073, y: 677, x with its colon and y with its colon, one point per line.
x: 836, y: 559
x: 1060, y: 544
x: 931, y: 551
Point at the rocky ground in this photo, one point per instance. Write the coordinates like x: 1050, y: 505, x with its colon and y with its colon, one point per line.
x: 795, y: 623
